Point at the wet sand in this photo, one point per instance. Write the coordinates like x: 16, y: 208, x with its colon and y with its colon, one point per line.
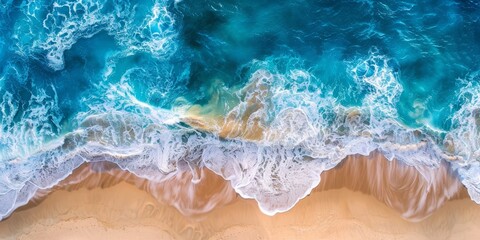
x: 363, y: 198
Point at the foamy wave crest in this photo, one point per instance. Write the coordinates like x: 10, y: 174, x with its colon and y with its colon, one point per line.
x: 300, y: 130
x: 463, y: 141
x: 38, y: 122
x: 57, y: 28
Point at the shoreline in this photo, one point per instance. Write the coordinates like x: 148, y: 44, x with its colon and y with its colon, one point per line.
x: 107, y: 200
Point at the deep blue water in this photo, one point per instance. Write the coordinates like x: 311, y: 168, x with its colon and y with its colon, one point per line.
x: 88, y: 80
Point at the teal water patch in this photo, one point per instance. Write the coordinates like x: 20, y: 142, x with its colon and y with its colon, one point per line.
x: 112, y: 79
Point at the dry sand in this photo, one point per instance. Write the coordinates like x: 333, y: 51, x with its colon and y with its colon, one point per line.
x: 114, y: 205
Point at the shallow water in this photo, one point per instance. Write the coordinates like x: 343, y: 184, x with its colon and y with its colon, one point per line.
x: 266, y: 94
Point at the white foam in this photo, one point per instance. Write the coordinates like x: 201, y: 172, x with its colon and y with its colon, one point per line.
x: 464, y: 138
x: 68, y: 21
x: 322, y: 131
x: 377, y: 72
x: 39, y: 122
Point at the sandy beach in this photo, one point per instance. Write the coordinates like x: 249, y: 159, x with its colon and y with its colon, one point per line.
x: 124, y: 212
x: 93, y: 204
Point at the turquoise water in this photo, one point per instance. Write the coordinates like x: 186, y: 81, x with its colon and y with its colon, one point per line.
x: 85, y: 81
